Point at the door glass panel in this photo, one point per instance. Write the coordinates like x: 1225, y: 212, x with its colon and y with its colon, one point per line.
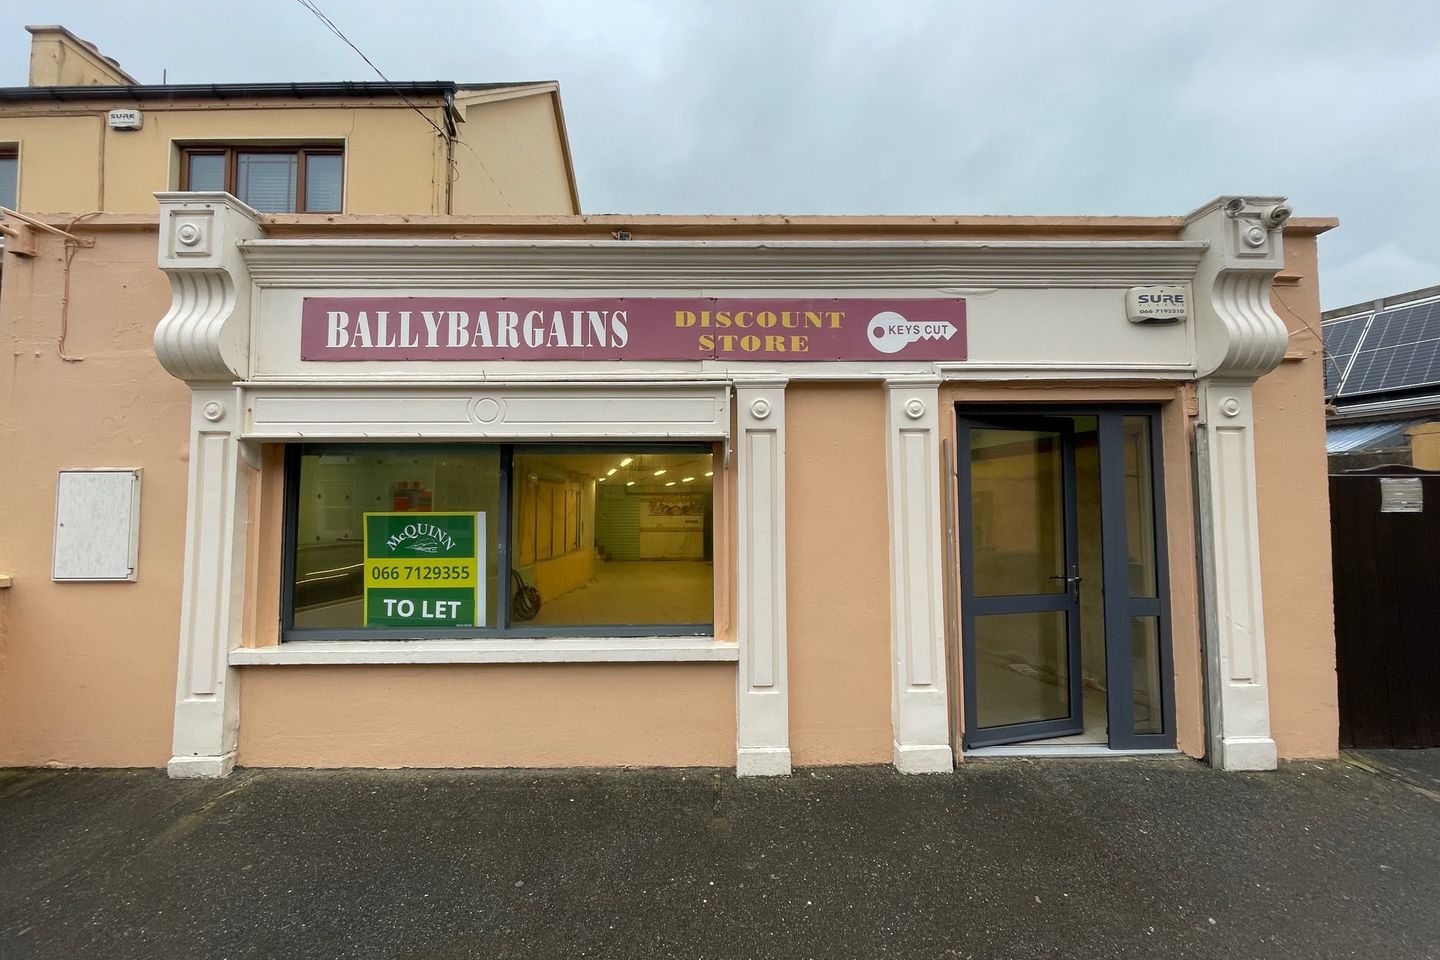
x: 1139, y: 507
x: 1022, y: 668
x: 1145, y: 669
x: 1018, y: 516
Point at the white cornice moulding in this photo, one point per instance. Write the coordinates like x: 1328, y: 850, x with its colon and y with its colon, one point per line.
x: 671, y: 265
x: 205, y: 336
x: 555, y: 411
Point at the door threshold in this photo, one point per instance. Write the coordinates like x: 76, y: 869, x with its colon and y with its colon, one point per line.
x: 1064, y: 750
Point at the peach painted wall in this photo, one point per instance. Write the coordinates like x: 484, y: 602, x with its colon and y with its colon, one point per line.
x: 1294, y: 498
x: 493, y: 715
x: 87, y: 670
x: 838, y: 574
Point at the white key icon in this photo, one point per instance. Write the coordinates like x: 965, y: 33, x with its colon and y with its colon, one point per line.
x: 890, y: 332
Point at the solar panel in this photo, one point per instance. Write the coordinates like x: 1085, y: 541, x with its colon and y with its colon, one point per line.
x: 1341, y: 339
x: 1400, y: 351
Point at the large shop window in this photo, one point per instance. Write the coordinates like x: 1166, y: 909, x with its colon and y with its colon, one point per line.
x: 498, y: 540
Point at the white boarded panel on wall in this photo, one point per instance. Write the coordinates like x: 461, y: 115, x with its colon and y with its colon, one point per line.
x: 97, y: 524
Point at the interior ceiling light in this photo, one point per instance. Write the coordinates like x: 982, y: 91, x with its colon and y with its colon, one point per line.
x: 686, y: 479
x: 599, y: 479
x: 629, y: 483
x: 669, y: 483
x: 612, y: 471
x: 709, y: 473
x: 627, y: 461
x: 659, y: 473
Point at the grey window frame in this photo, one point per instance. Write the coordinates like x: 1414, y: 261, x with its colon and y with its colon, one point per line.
x: 504, y: 530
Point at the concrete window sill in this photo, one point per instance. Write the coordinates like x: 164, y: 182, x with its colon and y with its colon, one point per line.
x: 548, y: 650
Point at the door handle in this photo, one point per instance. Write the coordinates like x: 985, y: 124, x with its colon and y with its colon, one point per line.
x: 1068, y: 580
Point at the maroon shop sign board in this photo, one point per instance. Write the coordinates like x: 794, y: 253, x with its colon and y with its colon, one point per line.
x: 630, y: 328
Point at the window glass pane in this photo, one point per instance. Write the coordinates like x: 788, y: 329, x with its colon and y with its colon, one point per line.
x: 322, y: 183
x: 410, y: 488
x: 1145, y: 668
x: 1018, y: 517
x: 9, y: 179
x: 612, y: 537
x: 207, y: 171
x: 1139, y: 506
x: 266, y: 181
x: 1022, y: 668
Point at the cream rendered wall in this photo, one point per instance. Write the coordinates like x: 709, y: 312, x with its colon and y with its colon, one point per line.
x: 59, y: 168
x: 87, y: 670
x: 518, y: 164
x: 58, y: 58
x: 1425, y: 446
x: 394, y: 160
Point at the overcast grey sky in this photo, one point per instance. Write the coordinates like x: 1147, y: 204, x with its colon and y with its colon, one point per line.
x: 898, y: 106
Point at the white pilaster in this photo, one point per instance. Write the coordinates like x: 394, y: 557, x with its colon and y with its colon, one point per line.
x: 1239, y: 338
x: 204, y: 340
x: 762, y: 697
x: 919, y: 709
x: 207, y: 703
x: 1239, y: 694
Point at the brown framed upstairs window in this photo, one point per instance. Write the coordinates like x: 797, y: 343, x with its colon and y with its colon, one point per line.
x: 270, y: 179
x: 9, y: 175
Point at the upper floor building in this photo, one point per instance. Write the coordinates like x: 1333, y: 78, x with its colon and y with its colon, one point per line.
x: 85, y: 136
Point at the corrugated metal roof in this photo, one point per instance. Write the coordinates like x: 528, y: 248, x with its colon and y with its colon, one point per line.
x: 1350, y: 437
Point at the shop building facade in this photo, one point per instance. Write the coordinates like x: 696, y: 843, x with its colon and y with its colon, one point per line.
x: 962, y: 491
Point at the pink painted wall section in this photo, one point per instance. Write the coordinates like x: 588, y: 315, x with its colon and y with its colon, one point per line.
x: 497, y: 715
x: 629, y: 328
x: 837, y: 541
x: 87, y: 670
x: 1294, y: 505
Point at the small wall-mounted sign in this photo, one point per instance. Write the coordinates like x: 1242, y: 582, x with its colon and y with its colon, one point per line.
x: 126, y: 119
x: 1401, y: 495
x: 1157, y: 304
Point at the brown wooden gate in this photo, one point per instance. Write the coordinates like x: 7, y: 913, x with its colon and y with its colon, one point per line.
x: 1387, y: 607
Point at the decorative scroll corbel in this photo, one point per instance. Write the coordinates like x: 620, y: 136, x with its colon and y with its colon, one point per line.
x: 1239, y: 335
x: 205, y: 336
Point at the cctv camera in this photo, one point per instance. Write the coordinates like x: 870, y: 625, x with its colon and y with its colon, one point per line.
x: 1275, y: 215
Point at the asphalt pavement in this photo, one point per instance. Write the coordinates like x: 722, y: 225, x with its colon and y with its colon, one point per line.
x: 1002, y: 859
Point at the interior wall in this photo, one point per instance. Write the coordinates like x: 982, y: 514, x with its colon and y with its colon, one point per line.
x: 838, y: 574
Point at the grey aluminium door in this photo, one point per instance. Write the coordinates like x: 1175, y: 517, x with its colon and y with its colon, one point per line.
x: 1028, y: 663
x: 1020, y: 601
